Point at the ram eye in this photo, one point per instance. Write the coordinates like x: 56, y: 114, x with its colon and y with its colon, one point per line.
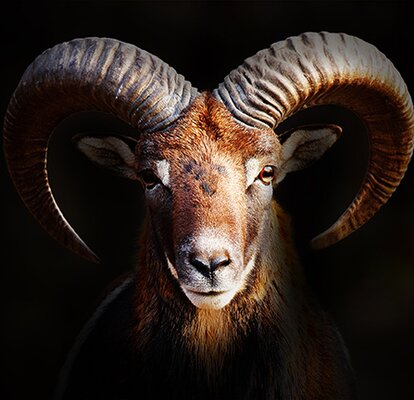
x: 267, y: 175
x: 149, y: 179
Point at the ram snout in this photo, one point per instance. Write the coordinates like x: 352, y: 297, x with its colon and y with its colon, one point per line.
x: 209, y: 267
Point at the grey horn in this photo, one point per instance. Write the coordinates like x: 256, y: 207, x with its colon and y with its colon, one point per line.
x: 84, y: 74
x: 329, y: 68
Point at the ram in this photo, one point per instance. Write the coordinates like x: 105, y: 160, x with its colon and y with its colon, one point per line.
x: 217, y: 306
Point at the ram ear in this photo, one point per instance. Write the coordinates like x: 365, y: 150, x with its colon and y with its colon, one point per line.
x: 115, y: 153
x: 305, y: 145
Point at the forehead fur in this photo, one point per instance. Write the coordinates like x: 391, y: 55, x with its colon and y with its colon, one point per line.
x: 207, y: 126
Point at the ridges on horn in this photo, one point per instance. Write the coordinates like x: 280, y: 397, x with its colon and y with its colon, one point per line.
x: 84, y: 74
x: 331, y: 68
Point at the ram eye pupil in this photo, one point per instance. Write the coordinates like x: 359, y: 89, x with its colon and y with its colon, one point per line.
x: 149, y: 179
x: 267, y: 174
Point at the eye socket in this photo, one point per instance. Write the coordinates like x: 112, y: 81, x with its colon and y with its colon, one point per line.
x: 267, y: 175
x: 149, y: 179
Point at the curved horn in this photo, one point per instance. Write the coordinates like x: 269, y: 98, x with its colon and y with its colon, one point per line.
x: 84, y: 74
x: 329, y: 68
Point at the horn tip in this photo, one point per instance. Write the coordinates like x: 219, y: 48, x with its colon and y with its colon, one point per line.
x: 87, y: 254
x: 92, y: 257
x: 322, y: 241
x: 95, y: 259
x: 316, y: 244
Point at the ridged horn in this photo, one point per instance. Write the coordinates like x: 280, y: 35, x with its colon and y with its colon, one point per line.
x: 84, y: 74
x: 331, y: 68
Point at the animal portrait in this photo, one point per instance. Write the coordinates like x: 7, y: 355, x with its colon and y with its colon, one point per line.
x: 217, y: 300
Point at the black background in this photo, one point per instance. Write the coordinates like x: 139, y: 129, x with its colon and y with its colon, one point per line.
x: 366, y: 281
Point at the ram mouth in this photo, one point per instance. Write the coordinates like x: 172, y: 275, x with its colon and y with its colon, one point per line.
x: 211, y: 293
x: 212, y: 299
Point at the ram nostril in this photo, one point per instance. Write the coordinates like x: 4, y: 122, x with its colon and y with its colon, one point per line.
x: 201, y: 266
x: 219, y: 262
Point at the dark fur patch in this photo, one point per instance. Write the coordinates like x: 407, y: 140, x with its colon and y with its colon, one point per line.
x: 207, y: 189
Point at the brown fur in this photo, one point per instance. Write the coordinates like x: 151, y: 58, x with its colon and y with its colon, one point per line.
x: 270, y: 342
x: 299, y: 354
